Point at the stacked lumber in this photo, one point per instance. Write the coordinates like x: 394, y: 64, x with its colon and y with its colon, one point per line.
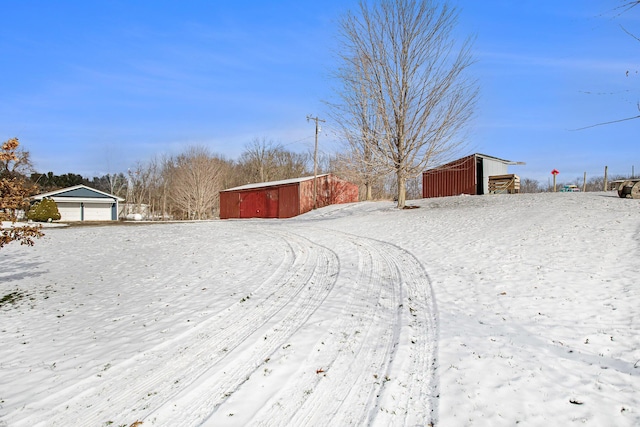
x: 509, y: 184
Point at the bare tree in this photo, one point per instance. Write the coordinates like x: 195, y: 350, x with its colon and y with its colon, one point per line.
x: 117, y: 183
x: 258, y: 160
x: 595, y: 183
x: 625, y: 6
x: 414, y: 187
x: 264, y: 160
x: 528, y: 185
x: 401, y: 56
x: 17, y: 164
x: 195, y: 182
x: 139, y: 187
x: 356, y: 118
x: 155, y: 182
x: 112, y: 183
x: 290, y: 164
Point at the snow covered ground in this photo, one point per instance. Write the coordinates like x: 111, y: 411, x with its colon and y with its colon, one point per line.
x: 483, y: 311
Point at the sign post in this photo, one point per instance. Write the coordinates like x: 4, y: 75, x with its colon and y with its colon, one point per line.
x: 554, y: 173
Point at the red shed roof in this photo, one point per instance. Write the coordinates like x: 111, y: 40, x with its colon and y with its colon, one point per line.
x: 272, y: 183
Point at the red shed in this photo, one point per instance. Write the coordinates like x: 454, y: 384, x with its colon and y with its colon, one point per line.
x: 468, y: 175
x: 284, y: 199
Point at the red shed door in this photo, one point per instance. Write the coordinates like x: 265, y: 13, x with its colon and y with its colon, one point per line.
x: 253, y: 204
x: 259, y: 204
x: 271, y: 203
x: 288, y: 201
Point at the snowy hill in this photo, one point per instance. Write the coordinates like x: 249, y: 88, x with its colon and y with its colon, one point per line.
x: 483, y: 310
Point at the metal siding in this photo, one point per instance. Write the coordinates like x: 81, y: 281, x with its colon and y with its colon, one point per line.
x: 452, y: 179
x: 306, y: 196
x: 288, y: 201
x: 342, y: 191
x: 490, y: 168
x: 229, y: 205
x: 323, y: 192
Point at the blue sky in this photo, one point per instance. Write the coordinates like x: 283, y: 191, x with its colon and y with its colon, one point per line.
x: 94, y: 87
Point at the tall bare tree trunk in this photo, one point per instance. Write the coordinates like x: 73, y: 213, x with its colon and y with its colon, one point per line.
x: 402, y: 189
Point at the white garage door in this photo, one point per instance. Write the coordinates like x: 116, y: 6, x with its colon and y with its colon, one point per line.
x: 97, y: 211
x: 69, y: 211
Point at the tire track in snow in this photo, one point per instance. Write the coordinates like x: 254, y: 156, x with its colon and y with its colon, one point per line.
x: 393, y: 306
x: 385, y: 373
x: 131, y: 389
x: 411, y: 397
x: 313, y: 398
x: 362, y: 371
x: 202, y: 401
x: 407, y: 396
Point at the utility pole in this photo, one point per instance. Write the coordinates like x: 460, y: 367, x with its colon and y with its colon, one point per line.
x: 315, y: 161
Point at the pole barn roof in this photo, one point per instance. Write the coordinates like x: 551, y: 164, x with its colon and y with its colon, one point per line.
x: 273, y: 183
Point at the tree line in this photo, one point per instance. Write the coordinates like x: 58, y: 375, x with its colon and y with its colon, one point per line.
x: 187, y: 185
x: 594, y: 183
x: 183, y: 186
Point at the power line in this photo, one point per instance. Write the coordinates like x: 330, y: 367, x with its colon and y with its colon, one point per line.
x: 315, y: 161
x: 607, y: 123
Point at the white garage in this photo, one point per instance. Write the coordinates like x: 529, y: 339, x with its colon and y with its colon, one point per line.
x: 82, y: 203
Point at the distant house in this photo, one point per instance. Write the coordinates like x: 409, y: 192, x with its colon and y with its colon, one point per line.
x: 285, y: 199
x: 468, y: 175
x: 82, y: 203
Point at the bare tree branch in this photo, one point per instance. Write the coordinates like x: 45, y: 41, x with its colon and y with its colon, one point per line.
x: 629, y: 33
